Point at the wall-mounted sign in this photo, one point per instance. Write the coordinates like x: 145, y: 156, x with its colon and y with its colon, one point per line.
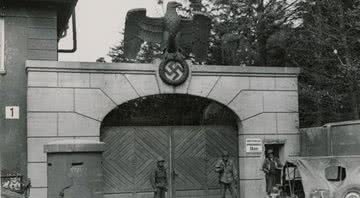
x: 254, y: 145
x: 12, y: 112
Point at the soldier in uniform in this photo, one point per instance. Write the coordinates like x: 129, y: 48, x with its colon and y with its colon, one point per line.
x: 227, y: 175
x: 271, y: 167
x: 159, y: 179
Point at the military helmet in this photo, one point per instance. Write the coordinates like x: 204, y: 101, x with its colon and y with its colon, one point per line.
x: 270, y: 151
x: 160, y: 159
x: 225, y: 154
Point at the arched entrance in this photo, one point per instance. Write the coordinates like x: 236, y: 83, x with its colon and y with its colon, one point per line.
x: 67, y: 100
x: 189, y: 132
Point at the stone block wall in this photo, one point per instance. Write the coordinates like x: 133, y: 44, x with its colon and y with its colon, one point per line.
x: 69, y: 100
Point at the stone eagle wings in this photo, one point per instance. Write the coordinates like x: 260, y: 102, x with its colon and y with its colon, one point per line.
x: 173, y: 32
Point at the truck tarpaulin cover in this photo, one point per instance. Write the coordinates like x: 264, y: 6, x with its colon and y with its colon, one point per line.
x: 312, y: 171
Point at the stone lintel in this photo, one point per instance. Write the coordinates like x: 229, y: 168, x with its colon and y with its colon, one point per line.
x: 35, y: 65
x: 74, y: 145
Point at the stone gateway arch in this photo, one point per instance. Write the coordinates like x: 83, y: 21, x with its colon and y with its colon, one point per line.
x: 189, y: 133
x: 69, y: 100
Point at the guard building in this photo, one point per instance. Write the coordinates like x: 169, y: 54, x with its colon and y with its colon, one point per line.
x: 96, y: 129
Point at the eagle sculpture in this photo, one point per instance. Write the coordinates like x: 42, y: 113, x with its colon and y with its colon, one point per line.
x: 176, y: 34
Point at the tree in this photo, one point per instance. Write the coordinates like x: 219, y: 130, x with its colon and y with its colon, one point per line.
x: 148, y: 52
x: 117, y: 54
x: 325, y: 46
x: 243, y: 29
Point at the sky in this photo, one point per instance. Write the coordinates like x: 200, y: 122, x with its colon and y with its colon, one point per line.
x: 99, y: 23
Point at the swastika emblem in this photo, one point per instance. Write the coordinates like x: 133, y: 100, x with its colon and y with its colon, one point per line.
x: 174, y: 72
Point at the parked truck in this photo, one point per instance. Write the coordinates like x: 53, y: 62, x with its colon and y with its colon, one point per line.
x: 329, y: 163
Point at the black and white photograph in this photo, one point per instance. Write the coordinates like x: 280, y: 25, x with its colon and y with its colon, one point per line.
x: 180, y: 99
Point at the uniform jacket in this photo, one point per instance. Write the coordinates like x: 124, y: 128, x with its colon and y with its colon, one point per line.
x: 271, y: 166
x: 227, y: 171
x: 159, y: 178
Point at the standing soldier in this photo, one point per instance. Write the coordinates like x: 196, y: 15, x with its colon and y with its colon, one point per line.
x: 271, y: 168
x: 227, y: 175
x: 159, y: 179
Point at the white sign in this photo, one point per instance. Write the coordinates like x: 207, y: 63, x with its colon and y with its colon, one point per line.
x: 254, y: 145
x: 12, y: 112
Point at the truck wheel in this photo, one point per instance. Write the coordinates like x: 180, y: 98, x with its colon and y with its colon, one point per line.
x: 348, y: 192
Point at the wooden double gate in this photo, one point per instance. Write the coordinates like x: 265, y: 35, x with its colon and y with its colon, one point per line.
x: 190, y: 153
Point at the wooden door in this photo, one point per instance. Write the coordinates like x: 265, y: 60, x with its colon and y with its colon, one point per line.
x: 190, y: 161
x: 190, y: 152
x: 196, y: 149
x: 218, y: 139
x: 130, y: 156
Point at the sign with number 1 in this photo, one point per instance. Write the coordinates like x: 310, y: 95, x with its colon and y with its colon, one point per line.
x: 12, y: 112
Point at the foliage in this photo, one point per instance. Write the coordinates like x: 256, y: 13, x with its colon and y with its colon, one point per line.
x: 117, y: 53
x: 249, y: 32
x: 325, y: 46
x: 148, y: 52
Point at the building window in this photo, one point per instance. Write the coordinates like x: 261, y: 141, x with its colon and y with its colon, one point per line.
x: 2, y: 45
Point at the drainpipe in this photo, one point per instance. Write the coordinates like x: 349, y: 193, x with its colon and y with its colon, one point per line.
x: 74, y: 36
